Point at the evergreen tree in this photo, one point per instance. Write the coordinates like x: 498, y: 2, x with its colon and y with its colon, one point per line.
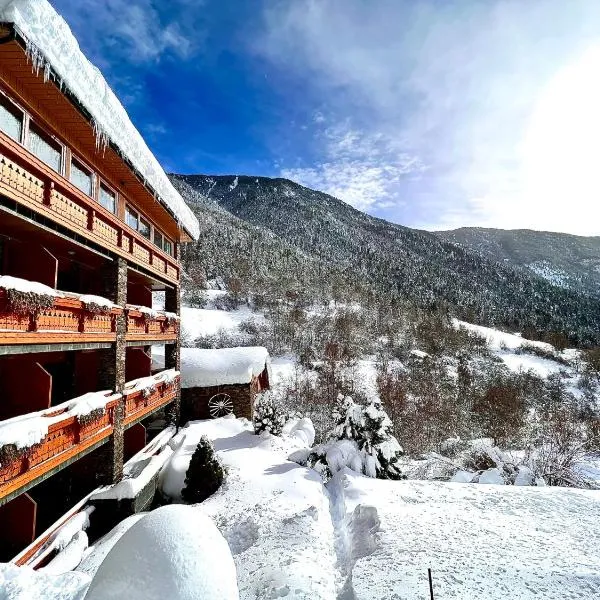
x: 372, y: 430
x: 267, y: 415
x: 204, y: 475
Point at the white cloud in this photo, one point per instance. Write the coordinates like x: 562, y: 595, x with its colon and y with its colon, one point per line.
x: 459, y: 85
x: 137, y: 29
x: 359, y: 168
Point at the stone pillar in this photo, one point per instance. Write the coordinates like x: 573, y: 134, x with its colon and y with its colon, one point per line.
x: 173, y: 353
x: 112, y: 367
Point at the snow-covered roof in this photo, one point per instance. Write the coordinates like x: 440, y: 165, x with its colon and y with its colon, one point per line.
x: 225, y: 366
x: 52, y: 46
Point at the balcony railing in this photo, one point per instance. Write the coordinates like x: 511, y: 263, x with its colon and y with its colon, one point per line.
x: 31, y: 183
x: 69, y: 435
x: 142, y: 325
x: 69, y: 321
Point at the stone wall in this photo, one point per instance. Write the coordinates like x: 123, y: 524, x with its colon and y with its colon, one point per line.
x: 194, y: 401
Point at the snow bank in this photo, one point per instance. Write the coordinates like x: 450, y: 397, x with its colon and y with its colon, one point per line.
x: 174, y: 551
x: 23, y: 583
x: 225, y: 366
x: 8, y: 282
x: 136, y: 476
x: 26, y: 430
x: 50, y: 43
x: 96, y: 553
x: 481, y: 541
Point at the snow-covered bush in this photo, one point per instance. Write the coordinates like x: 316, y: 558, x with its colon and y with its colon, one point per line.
x: 300, y: 428
x: 268, y: 415
x: 204, y: 475
x: 364, y: 443
x: 372, y: 430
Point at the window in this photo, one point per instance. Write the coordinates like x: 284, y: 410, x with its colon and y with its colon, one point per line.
x: 144, y: 228
x: 45, y: 148
x: 11, y: 119
x: 131, y: 218
x: 81, y: 177
x: 162, y: 242
x: 135, y: 221
x: 107, y: 199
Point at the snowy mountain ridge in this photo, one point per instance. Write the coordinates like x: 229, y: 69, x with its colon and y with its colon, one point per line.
x: 311, y: 234
x: 569, y: 261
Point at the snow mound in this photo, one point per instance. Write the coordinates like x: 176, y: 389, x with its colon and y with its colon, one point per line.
x: 173, y: 552
x: 23, y: 583
x: 52, y: 45
x: 225, y: 366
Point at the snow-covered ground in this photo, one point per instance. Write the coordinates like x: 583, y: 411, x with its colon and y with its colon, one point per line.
x: 509, y: 347
x: 480, y: 541
x: 273, y: 513
x: 361, y: 538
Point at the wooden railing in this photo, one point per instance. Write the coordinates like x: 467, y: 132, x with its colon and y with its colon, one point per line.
x: 142, y: 326
x: 69, y: 437
x: 141, y: 403
x: 30, y: 182
x: 68, y: 321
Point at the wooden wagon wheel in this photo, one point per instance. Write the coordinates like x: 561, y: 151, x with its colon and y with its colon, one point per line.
x: 220, y: 405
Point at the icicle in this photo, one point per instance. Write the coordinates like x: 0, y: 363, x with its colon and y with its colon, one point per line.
x: 38, y: 60
x: 100, y: 135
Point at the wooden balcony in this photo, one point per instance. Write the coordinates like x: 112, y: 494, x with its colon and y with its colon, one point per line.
x: 32, y: 184
x: 142, y: 326
x: 69, y: 438
x: 68, y: 321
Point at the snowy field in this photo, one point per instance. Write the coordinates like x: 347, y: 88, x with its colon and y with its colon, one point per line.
x: 481, y: 541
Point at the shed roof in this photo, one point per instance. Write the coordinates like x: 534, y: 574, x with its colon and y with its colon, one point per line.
x: 224, y: 366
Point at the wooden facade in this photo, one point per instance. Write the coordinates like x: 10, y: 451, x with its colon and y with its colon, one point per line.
x: 81, y: 220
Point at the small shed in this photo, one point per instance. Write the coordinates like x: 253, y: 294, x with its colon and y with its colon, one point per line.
x: 215, y: 383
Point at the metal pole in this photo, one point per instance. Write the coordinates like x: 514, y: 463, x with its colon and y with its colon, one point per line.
x: 430, y: 584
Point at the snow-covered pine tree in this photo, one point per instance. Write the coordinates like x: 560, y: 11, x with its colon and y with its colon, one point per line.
x: 267, y: 415
x: 204, y: 475
x: 372, y: 430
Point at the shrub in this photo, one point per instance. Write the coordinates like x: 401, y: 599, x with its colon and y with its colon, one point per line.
x: 268, y: 416
x: 204, y: 475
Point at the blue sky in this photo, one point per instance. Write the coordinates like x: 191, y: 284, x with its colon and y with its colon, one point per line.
x: 430, y: 113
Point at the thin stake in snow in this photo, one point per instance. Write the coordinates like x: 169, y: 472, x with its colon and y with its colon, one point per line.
x: 430, y: 584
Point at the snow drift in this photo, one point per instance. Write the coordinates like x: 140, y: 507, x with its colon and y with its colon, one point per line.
x: 173, y: 552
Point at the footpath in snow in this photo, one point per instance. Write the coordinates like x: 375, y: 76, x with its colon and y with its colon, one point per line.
x: 273, y: 513
x: 481, y: 541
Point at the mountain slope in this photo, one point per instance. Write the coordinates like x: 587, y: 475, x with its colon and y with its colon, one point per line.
x: 394, y: 260
x: 569, y: 261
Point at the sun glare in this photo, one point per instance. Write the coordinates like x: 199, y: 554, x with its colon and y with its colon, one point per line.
x: 561, y: 150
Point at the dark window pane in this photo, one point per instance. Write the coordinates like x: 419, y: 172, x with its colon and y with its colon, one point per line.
x: 158, y: 238
x: 168, y: 247
x: 45, y: 148
x: 144, y: 228
x: 81, y: 177
x: 11, y: 120
x: 107, y: 199
x: 131, y: 218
